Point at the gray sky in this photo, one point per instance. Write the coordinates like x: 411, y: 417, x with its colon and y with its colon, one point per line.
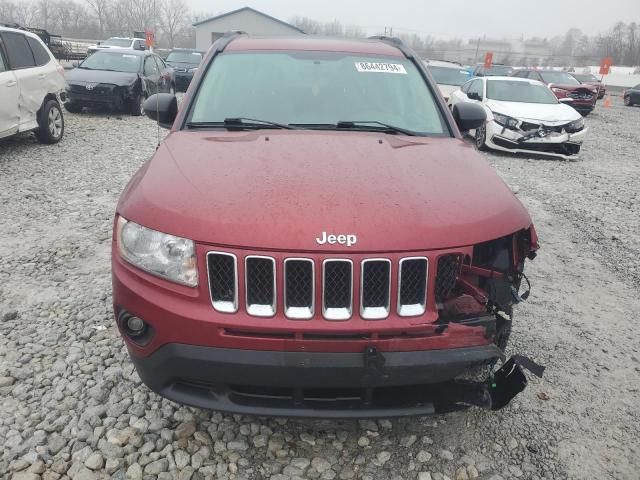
x: 445, y: 18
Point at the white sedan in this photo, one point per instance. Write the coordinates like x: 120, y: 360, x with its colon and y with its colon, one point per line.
x: 523, y: 116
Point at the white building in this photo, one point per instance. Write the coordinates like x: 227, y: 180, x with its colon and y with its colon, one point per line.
x: 244, y: 19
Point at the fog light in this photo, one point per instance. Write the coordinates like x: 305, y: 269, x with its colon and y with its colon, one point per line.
x: 135, y: 325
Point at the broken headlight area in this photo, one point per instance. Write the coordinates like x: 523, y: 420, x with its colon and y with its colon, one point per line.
x: 505, y: 121
x: 479, y: 287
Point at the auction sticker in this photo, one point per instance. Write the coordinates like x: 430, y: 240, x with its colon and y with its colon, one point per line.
x: 370, y: 67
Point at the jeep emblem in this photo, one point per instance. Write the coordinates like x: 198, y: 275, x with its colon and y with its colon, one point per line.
x: 342, y: 239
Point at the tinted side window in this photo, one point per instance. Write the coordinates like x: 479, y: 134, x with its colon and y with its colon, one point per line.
x: 535, y: 76
x: 18, y: 50
x: 39, y: 53
x: 477, y: 87
x: 161, y: 65
x: 465, y: 87
x: 522, y: 74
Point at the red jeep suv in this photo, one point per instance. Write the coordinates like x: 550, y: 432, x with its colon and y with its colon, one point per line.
x: 314, y: 238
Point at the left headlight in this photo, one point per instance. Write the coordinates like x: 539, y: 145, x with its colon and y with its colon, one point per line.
x: 161, y: 254
x: 505, y: 121
x: 575, y: 126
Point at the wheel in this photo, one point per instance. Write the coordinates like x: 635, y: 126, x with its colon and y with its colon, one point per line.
x: 627, y: 101
x: 72, y: 107
x: 136, y: 106
x: 50, y: 123
x: 481, y: 137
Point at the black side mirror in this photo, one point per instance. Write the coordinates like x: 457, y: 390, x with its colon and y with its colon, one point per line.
x: 469, y: 116
x: 474, y: 96
x: 161, y: 108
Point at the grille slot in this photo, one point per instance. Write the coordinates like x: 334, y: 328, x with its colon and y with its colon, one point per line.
x: 375, y: 289
x: 223, y: 281
x: 299, y: 288
x: 260, y: 286
x: 448, y: 271
x: 337, y: 295
x: 412, y: 286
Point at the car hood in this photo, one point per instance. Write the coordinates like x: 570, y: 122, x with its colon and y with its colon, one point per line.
x: 281, y: 190
x: 183, y: 65
x: 571, y: 87
x: 82, y: 76
x: 548, y: 113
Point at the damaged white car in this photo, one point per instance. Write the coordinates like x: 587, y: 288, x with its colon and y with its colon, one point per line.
x: 32, y: 85
x: 523, y: 116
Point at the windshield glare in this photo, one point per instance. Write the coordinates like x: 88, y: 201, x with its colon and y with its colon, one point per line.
x: 117, y: 42
x: 185, y: 57
x: 523, y: 92
x: 559, y: 77
x: 449, y: 76
x: 118, y: 62
x: 317, y: 89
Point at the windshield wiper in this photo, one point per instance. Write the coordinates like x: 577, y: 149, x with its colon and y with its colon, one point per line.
x: 240, y: 123
x: 358, y: 124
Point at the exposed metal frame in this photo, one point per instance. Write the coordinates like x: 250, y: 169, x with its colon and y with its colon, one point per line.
x: 223, y: 307
x: 257, y: 310
x: 413, y: 310
x: 374, y: 313
x: 338, y: 314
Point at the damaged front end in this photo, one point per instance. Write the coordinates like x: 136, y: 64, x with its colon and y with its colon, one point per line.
x: 479, y: 289
x: 559, y: 139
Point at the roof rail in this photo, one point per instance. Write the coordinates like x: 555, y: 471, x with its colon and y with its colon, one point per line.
x: 227, y: 38
x: 395, y: 42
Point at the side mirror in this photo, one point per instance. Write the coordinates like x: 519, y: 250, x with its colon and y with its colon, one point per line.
x: 161, y: 108
x: 469, y: 116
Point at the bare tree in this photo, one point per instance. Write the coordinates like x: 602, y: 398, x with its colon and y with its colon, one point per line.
x: 173, y: 19
x: 101, y: 10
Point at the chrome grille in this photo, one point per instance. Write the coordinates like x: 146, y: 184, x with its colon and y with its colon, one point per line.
x: 337, y: 291
x: 412, y: 286
x: 299, y: 288
x: 448, y: 271
x: 375, y: 289
x: 260, y: 286
x: 336, y: 286
x: 223, y: 281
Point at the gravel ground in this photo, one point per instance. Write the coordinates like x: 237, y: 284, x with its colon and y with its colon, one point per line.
x: 71, y: 405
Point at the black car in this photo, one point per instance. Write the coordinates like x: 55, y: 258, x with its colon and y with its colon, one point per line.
x: 632, y: 96
x: 184, y: 62
x: 118, y: 79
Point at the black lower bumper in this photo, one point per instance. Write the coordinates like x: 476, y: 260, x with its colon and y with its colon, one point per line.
x: 336, y: 385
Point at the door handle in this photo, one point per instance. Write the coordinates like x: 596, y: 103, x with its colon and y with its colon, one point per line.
x: 11, y: 83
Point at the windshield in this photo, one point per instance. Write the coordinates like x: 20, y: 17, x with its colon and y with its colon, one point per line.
x: 499, y: 71
x: 185, y: 57
x: 317, y: 90
x: 117, y: 62
x: 117, y: 42
x: 515, y: 91
x: 585, y: 77
x: 449, y: 76
x: 559, y: 77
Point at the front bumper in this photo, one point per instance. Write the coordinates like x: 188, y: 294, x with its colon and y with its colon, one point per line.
x: 304, y: 384
x: 564, y: 145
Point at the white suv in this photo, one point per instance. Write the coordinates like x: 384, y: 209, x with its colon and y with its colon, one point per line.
x: 119, y: 42
x: 32, y: 84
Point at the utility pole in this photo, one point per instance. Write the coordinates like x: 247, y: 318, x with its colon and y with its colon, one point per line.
x: 475, y: 57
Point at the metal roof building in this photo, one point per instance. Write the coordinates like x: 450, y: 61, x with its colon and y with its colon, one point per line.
x: 245, y: 19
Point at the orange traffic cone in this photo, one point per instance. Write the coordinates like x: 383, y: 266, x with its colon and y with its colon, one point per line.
x: 607, y: 101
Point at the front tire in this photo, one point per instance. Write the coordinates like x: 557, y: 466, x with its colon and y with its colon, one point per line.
x: 481, y: 137
x: 627, y: 101
x: 136, y: 106
x: 50, y: 122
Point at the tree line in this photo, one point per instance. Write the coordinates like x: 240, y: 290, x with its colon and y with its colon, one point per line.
x: 171, y: 21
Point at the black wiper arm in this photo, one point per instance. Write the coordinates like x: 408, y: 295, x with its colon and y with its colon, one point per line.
x: 252, y: 122
x: 346, y: 124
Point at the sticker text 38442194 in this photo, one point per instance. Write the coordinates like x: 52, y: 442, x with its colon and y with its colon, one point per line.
x: 371, y: 67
